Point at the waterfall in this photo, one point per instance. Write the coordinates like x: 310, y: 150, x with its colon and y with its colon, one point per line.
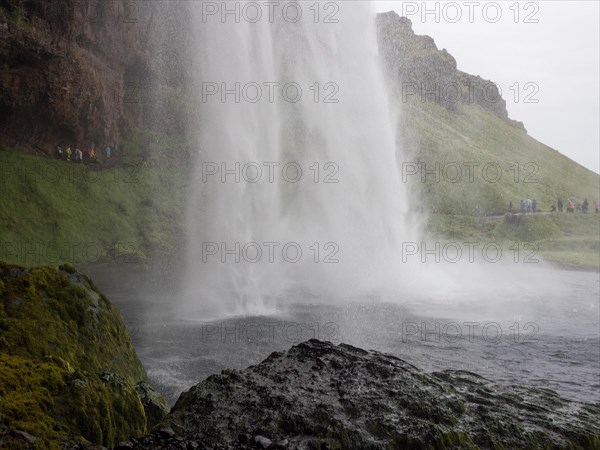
x: 296, y: 191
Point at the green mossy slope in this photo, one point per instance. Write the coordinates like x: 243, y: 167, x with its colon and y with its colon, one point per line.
x: 52, y: 212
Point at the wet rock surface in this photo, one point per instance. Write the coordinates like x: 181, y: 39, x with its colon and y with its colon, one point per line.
x: 319, y: 396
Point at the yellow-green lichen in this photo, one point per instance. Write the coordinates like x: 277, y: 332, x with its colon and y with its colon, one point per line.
x: 68, y: 370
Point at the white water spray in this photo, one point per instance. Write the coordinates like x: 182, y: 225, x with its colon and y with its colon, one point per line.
x: 297, y: 190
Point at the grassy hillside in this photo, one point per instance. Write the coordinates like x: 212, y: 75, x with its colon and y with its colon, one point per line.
x: 53, y: 211
x: 570, y: 240
x: 518, y: 166
x: 461, y: 203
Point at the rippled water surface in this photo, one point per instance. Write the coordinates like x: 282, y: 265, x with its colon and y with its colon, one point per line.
x: 513, y: 335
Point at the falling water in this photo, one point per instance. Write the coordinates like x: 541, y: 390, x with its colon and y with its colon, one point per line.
x: 303, y: 160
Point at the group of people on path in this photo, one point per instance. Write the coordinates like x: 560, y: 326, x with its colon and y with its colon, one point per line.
x: 79, y: 156
x: 527, y: 205
x: 574, y: 206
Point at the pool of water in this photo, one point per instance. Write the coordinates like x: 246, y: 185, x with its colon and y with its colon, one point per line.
x: 541, y: 330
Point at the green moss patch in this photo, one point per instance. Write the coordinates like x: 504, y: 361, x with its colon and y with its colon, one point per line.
x: 67, y: 366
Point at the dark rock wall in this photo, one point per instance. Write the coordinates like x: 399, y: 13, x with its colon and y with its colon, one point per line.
x: 90, y: 72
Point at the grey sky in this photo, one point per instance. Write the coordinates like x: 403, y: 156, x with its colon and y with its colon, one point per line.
x: 560, y: 54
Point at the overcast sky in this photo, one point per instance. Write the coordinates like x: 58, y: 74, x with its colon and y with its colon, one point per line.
x: 559, y: 53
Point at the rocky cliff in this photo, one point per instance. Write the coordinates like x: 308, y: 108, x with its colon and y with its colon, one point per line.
x: 87, y: 72
x: 321, y: 396
x: 419, y: 71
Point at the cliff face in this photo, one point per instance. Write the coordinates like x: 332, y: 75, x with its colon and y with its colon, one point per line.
x: 420, y: 72
x: 89, y: 72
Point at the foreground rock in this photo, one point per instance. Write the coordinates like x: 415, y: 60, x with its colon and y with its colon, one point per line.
x: 69, y: 375
x: 321, y: 396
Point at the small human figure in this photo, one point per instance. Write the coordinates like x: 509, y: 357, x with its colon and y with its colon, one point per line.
x: 107, y: 152
x: 571, y: 207
x: 68, y: 153
x: 58, y: 153
x: 91, y: 155
x: 528, y: 205
x: 534, y: 205
x: 510, y: 206
x: 585, y: 206
x: 522, y: 206
x: 560, y: 205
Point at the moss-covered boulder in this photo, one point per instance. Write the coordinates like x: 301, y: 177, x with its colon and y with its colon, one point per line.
x: 68, y: 370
